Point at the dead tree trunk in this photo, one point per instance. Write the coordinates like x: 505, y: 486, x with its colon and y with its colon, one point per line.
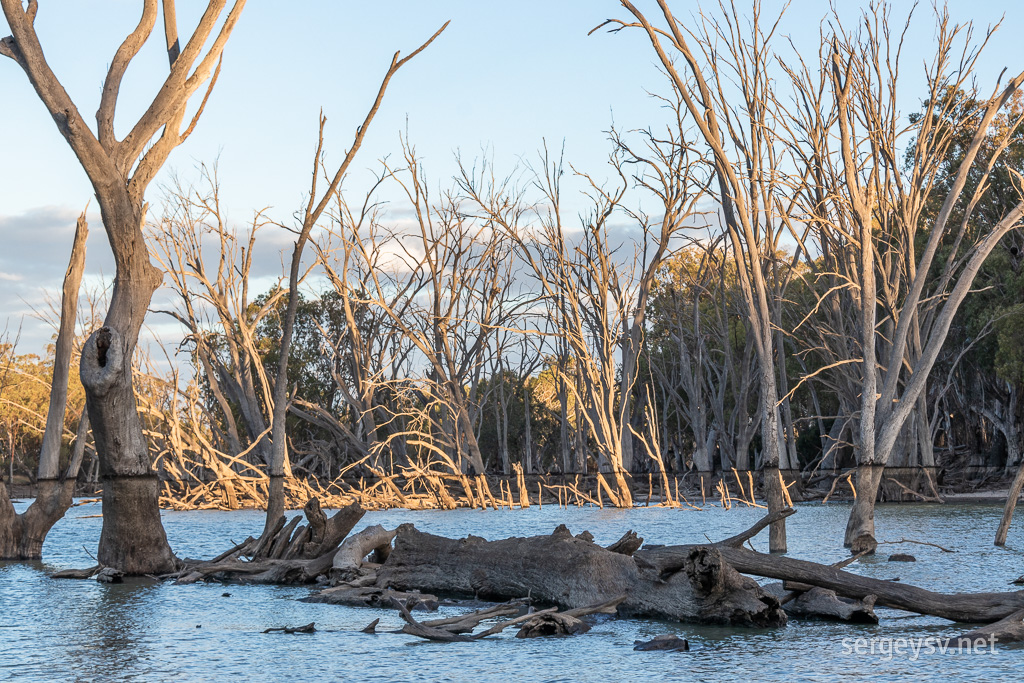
x: 574, y: 572
x: 133, y: 539
x: 22, y: 536
x: 965, y: 607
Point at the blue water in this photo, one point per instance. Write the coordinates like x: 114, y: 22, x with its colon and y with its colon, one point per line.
x: 144, y: 630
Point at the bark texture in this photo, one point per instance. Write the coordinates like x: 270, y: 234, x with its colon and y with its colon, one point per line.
x: 573, y: 572
x: 965, y: 607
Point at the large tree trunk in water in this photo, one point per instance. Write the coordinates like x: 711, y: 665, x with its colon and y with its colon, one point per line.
x: 860, y: 529
x: 574, y: 572
x: 22, y: 536
x: 133, y: 538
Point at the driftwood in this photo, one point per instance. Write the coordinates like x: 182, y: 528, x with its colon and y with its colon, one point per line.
x: 290, y: 553
x: 373, y: 596
x: 628, y: 544
x: 964, y: 607
x: 546, y: 622
x: 465, y: 623
x: 823, y: 604
x: 308, y: 628
x: 1008, y: 630
x: 349, y: 557
x: 666, y: 643
x: 553, y: 624
x: 573, y: 572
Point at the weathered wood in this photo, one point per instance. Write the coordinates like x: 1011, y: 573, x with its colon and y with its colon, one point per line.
x: 373, y: 597
x: 76, y: 573
x: 465, y: 623
x: 350, y: 555
x: 738, y: 540
x: 554, y: 624
x: 628, y: 544
x: 338, y: 526
x: 821, y: 603
x: 308, y: 628
x: 665, y: 643
x: 414, y: 628
x: 966, y: 607
x: 281, y: 540
x: 1008, y: 630
x: 572, y: 572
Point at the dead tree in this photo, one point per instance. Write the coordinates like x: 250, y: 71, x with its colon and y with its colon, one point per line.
x: 22, y: 536
x: 215, y: 309
x: 725, y: 86
x: 862, y: 198
x: 133, y: 538
x: 310, y: 217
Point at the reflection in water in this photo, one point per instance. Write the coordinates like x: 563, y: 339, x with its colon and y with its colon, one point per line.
x: 146, y: 631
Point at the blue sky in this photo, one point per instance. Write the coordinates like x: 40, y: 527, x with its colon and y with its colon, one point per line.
x: 503, y: 77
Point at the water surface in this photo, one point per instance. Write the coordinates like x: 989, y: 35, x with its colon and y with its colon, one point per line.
x: 145, y: 630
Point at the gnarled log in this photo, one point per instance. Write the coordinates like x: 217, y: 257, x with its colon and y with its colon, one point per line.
x: 966, y: 607
x: 572, y: 572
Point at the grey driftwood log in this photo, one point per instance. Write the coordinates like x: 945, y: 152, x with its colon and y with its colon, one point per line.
x: 571, y: 572
x: 963, y: 607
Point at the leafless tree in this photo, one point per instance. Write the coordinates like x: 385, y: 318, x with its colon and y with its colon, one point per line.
x: 133, y: 538
x: 865, y: 200
x: 308, y: 219
x: 723, y: 78
x: 22, y: 536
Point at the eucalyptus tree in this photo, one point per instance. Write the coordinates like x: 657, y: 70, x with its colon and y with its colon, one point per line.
x: 120, y: 170
x: 723, y: 79
x: 874, y: 181
x: 22, y: 535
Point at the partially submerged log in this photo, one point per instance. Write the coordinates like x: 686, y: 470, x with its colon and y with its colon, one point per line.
x: 553, y: 624
x: 1008, y: 630
x: 349, y: 557
x: 964, y: 607
x: 665, y: 643
x: 823, y: 604
x: 308, y: 628
x: 373, y: 596
x: 546, y: 622
x: 573, y: 572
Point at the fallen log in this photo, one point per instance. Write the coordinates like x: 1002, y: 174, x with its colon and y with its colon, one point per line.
x: 823, y: 604
x: 373, y: 596
x: 574, y: 572
x: 964, y: 607
x: 1008, y: 630
x: 308, y: 628
x: 465, y: 623
x: 665, y: 643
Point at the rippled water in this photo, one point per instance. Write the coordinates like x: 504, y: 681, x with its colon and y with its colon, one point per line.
x: 147, y: 631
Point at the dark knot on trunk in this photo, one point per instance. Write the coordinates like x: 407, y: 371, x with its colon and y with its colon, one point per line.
x: 102, y: 361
